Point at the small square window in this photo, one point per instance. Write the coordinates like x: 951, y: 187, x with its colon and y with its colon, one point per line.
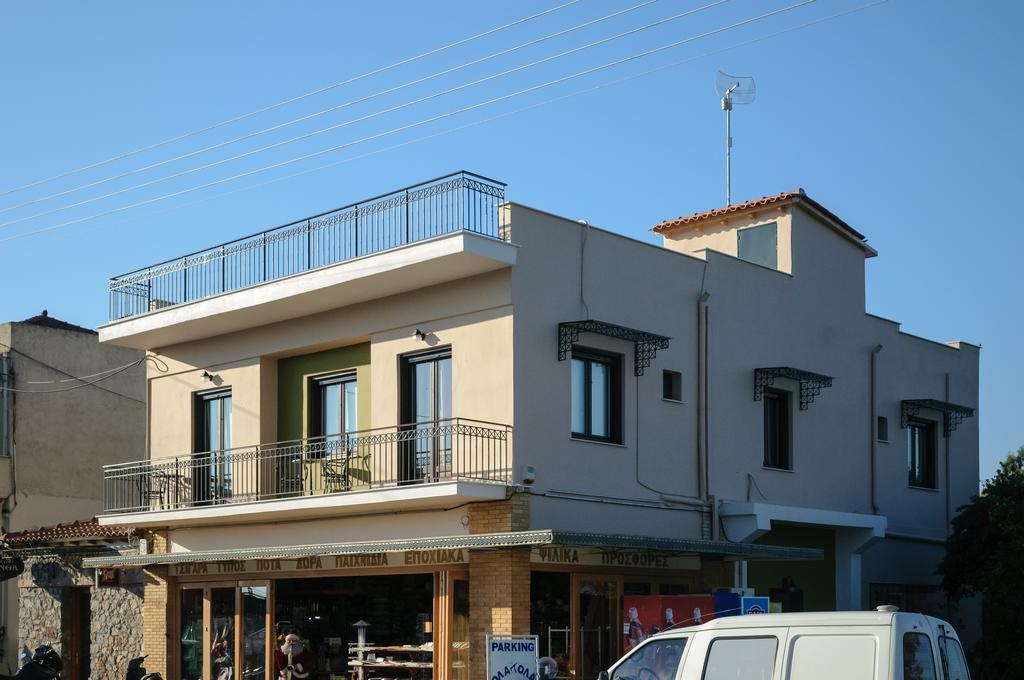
x: 672, y: 385
x: 759, y: 245
x: 883, y: 429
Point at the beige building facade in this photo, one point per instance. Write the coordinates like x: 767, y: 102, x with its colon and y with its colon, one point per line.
x: 439, y: 415
x: 56, y: 430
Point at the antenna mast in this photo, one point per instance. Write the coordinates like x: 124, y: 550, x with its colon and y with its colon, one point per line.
x: 738, y: 90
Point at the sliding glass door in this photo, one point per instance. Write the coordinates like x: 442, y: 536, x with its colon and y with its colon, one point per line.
x: 211, y: 468
x: 223, y: 631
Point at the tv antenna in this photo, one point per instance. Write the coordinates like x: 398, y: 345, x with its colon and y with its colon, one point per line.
x: 732, y: 90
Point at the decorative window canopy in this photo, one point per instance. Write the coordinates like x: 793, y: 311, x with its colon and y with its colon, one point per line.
x: 645, y: 345
x: 811, y: 384
x: 952, y: 414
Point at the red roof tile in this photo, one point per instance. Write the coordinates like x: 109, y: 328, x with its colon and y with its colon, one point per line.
x: 75, y: 531
x: 784, y: 198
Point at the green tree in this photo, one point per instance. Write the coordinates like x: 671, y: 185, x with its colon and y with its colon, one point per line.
x: 985, y: 554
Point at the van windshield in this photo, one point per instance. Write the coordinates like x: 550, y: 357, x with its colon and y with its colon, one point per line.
x: 657, y: 660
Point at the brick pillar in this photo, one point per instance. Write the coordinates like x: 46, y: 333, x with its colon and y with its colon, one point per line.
x: 499, y: 580
x: 156, y: 600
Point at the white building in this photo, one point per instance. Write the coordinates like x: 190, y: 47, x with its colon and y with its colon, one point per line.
x: 563, y: 416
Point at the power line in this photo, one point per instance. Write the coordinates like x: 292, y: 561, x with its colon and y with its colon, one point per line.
x: 316, y: 114
x: 369, y: 116
x: 78, y: 377
x: 506, y: 114
x: 93, y: 383
x: 524, y: 109
x: 292, y: 100
x: 425, y: 121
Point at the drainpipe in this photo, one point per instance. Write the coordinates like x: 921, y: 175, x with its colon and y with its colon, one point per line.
x: 5, y: 404
x: 946, y: 530
x: 7, y: 452
x: 873, y: 430
x: 702, y: 407
x: 7, y: 437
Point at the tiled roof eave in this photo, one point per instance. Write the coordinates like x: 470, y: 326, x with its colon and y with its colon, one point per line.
x: 776, y: 200
x: 74, y: 532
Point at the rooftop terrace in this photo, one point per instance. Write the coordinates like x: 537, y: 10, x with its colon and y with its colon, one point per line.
x: 460, y: 202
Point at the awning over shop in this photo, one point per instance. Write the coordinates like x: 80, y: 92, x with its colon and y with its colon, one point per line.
x: 544, y: 537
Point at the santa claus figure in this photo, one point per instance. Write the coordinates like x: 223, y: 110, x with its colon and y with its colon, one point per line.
x: 292, y: 659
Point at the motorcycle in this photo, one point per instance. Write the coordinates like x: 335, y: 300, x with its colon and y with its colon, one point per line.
x: 45, y: 664
x: 136, y: 671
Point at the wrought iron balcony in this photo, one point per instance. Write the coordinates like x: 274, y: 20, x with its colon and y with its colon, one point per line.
x: 457, y: 449
x: 459, y: 202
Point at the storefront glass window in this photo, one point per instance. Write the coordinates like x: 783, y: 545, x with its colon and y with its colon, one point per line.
x: 222, y: 633
x: 323, y: 611
x: 254, y: 628
x: 549, y: 616
x: 598, y: 639
x: 460, y: 630
x: 191, y: 660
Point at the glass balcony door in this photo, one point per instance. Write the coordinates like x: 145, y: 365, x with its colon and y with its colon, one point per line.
x: 211, y: 466
x: 427, y: 397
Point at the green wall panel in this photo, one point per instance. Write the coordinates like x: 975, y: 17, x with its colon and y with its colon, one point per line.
x: 293, y: 376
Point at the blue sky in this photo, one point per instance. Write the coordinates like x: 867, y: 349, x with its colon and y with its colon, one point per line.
x: 900, y: 118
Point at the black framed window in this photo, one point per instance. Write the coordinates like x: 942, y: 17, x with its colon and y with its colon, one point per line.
x: 213, y: 421
x: 921, y: 454
x: 777, y: 430
x: 333, y: 412
x: 211, y: 470
x: 426, y: 407
x: 672, y: 385
x: 883, y: 429
x: 596, y: 396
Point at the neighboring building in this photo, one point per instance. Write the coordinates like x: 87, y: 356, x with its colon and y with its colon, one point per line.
x: 446, y: 415
x: 92, y: 617
x: 56, y: 430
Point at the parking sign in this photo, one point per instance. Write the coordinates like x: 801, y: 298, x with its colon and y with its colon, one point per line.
x: 754, y: 605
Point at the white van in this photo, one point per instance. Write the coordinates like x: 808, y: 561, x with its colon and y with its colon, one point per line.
x: 879, y: 645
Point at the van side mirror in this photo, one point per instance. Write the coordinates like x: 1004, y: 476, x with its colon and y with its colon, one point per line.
x: 603, y: 675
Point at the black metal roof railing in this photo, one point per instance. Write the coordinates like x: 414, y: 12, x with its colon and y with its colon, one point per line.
x: 462, y: 201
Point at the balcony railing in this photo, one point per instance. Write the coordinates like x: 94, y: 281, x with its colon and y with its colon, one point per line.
x: 436, y: 451
x: 459, y: 202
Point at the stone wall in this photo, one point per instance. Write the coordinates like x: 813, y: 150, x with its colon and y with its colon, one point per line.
x: 116, y: 627
x: 115, y: 613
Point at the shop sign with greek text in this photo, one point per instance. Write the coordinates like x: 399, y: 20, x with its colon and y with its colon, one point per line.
x: 10, y: 567
x: 596, y: 557
x: 316, y: 563
x: 511, y: 657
